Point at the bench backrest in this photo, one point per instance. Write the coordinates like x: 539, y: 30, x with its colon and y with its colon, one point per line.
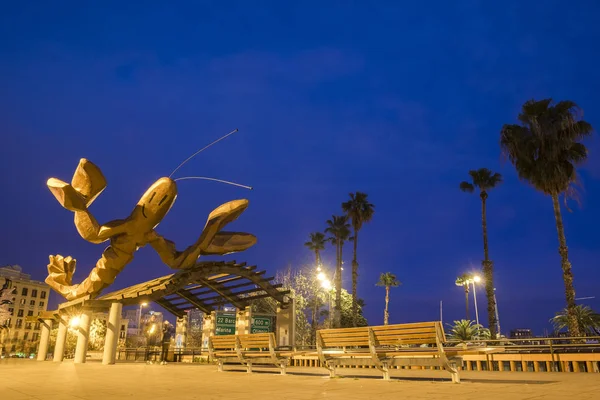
x: 257, y: 341
x: 249, y: 341
x: 384, y: 335
x: 224, y: 342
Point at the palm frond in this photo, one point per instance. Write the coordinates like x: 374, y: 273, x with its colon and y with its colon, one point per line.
x: 466, y: 187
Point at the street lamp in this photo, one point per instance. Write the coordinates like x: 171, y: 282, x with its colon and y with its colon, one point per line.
x: 476, y: 279
x: 75, y: 321
x: 326, y: 284
x: 140, y: 318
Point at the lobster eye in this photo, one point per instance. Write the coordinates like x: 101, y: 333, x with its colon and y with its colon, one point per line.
x: 163, y: 199
x: 151, y: 197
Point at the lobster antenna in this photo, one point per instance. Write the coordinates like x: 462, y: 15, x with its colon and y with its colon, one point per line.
x: 213, y: 179
x: 201, y: 150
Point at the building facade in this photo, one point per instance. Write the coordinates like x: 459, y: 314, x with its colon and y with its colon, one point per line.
x: 31, y: 298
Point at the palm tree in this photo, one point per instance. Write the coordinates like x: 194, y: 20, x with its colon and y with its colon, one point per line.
x: 316, y: 244
x: 358, y: 210
x: 388, y: 280
x: 465, y: 330
x: 588, y: 321
x: 464, y: 281
x: 545, y: 148
x: 484, y: 180
x: 339, y: 230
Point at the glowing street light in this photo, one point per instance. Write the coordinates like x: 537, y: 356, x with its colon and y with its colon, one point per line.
x: 75, y: 321
x: 321, y: 276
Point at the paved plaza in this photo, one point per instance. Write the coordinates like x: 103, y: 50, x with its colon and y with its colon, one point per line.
x: 29, y: 379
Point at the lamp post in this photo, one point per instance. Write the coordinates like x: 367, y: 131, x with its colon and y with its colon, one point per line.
x: 476, y: 279
x: 140, y: 319
x: 497, y: 316
x: 326, y: 284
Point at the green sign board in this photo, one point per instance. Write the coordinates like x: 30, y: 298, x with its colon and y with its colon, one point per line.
x: 225, y: 324
x: 262, y: 324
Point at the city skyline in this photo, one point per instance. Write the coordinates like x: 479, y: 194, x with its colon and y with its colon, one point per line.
x: 400, y: 111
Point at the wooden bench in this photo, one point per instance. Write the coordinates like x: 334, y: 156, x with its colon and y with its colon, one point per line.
x: 251, y: 349
x: 388, y: 346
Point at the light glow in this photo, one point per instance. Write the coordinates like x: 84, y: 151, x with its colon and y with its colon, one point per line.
x: 75, y: 321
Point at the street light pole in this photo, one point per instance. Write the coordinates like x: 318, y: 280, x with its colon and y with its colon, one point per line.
x: 140, y: 319
x: 475, y: 279
x: 497, y: 316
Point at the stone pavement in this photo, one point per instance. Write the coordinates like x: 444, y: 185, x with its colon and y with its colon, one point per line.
x: 29, y: 379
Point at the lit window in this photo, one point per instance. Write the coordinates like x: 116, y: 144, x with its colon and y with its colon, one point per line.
x: 42, y: 304
x: 20, y: 313
x: 30, y: 313
x: 22, y: 302
x: 19, y: 323
x: 35, y: 336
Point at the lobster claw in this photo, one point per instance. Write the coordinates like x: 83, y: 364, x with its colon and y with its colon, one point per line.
x: 213, y: 242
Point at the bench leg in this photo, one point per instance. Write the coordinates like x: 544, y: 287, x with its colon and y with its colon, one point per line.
x: 454, y: 372
x: 282, y: 367
x: 331, y: 371
x: 220, y: 366
x: 386, y: 373
x: 249, y: 367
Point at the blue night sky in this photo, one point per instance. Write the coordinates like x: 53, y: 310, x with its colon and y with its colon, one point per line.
x: 395, y: 99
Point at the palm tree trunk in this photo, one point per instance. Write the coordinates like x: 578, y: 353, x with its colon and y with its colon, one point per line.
x: 354, y: 279
x: 467, y: 301
x: 563, y: 250
x: 386, y: 314
x: 338, y: 286
x: 488, y: 271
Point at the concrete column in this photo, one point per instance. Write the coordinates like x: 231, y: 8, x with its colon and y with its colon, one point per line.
x: 83, y: 335
x: 285, y: 330
x: 548, y: 366
x: 61, y: 338
x: 513, y: 366
x: 576, y: 366
x: 208, y: 327
x: 523, y: 366
x: 478, y: 364
x: 500, y: 366
x: 44, y: 340
x: 536, y: 366
x: 181, y: 332
x: 113, y: 325
x: 243, y: 321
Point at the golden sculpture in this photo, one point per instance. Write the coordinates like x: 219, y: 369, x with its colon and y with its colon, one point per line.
x: 137, y: 230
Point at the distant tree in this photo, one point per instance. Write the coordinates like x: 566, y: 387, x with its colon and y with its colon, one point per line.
x: 316, y: 244
x: 484, y: 180
x: 465, y: 330
x: 588, y: 321
x: 339, y: 229
x: 545, y: 148
x: 387, y: 280
x: 359, y: 211
x: 464, y: 280
x: 97, y: 334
